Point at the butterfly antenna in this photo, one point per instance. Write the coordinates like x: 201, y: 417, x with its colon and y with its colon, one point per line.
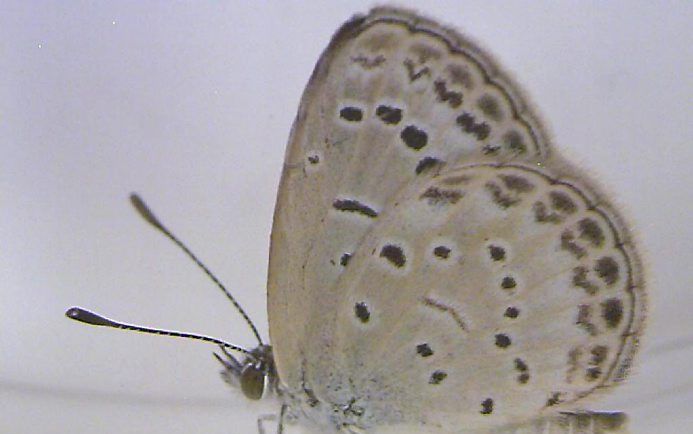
x: 147, y: 214
x: 85, y: 316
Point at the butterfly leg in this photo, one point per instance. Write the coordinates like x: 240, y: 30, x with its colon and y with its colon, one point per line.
x: 280, y: 425
x: 272, y: 417
x: 261, y: 421
x: 576, y: 423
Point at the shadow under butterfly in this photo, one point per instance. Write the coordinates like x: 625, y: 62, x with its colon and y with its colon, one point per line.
x: 436, y: 266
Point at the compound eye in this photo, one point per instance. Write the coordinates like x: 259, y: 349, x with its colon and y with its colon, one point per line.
x: 253, y: 382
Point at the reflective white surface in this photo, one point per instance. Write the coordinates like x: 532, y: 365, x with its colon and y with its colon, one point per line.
x: 190, y: 104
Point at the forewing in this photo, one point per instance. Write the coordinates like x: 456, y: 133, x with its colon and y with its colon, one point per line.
x: 393, y: 98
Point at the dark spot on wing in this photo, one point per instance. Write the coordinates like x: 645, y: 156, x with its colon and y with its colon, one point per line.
x: 437, y: 377
x: 593, y: 374
x: 424, y: 350
x: 523, y: 369
x: 514, y: 141
x: 414, y: 137
x: 517, y: 183
x: 454, y: 99
x: 362, y: 312
x: 442, y: 252
x: 487, y: 406
x: 437, y: 196
x: 468, y: 124
x: 590, y: 231
x: 508, y: 282
x: 490, y: 107
x: 344, y: 260
x: 502, y: 340
x: 607, y: 269
x: 584, y: 319
x: 389, y: 115
x: 460, y: 75
x: 562, y: 202
x: 351, y: 114
x: 512, y: 312
x: 580, y: 280
x: 497, y: 253
x: 426, y: 163
x: 351, y: 205
x: 520, y: 365
x: 612, y: 312
x: 599, y: 353
x: 394, y: 254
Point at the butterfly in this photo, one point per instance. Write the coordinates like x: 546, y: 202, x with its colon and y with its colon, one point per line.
x: 435, y: 266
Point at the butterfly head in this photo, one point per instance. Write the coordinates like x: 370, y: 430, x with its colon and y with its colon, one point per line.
x: 254, y: 374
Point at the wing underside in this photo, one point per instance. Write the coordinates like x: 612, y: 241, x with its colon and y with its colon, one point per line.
x: 396, y: 107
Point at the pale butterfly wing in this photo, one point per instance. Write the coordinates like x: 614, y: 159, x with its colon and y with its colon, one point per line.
x: 488, y: 295
x: 386, y: 304
x: 373, y: 63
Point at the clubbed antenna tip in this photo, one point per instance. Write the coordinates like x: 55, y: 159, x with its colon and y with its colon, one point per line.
x: 81, y: 315
x: 145, y: 212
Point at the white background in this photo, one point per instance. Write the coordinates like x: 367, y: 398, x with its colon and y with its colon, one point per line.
x: 190, y: 104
